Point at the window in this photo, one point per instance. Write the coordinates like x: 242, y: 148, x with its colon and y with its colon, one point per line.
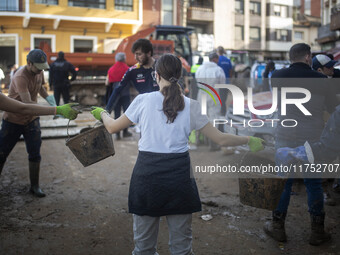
x: 281, y: 11
x: 297, y: 3
x: 239, y: 34
x: 202, y: 3
x: 52, y: 2
x: 284, y: 11
x: 239, y: 6
x: 43, y: 41
x: 255, y: 33
x: 86, y: 44
x: 282, y: 35
x: 9, y: 50
x: 83, y: 46
x: 9, y: 5
x: 327, y: 16
x: 255, y: 8
x: 124, y: 5
x: 308, y: 7
x: 298, y: 35
x: 167, y: 12
x: 100, y: 4
x: 39, y: 42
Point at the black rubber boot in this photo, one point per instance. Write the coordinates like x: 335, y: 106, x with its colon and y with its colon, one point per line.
x: 34, y: 168
x: 275, y: 228
x: 318, y: 235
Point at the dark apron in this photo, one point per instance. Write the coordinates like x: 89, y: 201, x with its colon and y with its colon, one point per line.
x: 161, y: 185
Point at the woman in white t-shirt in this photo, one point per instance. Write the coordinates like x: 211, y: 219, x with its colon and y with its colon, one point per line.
x: 161, y: 182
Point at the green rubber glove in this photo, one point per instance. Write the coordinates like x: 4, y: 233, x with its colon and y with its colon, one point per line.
x: 96, y: 112
x: 255, y: 144
x: 67, y: 111
x: 51, y: 100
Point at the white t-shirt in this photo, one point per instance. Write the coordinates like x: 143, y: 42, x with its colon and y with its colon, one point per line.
x: 156, y: 134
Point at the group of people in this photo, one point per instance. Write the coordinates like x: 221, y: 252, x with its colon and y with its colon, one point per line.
x: 161, y: 183
x: 120, y: 77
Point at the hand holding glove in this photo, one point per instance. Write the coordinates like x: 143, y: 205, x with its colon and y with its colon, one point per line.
x: 67, y: 111
x: 255, y: 144
x: 51, y: 100
x: 96, y: 112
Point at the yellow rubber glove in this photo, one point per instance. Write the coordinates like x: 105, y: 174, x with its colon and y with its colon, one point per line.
x: 255, y: 144
x: 67, y: 111
x: 96, y: 112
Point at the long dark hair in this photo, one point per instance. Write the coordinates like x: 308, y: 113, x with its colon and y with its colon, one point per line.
x: 169, y: 67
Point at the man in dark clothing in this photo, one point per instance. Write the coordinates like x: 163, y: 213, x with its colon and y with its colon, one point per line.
x: 308, y: 128
x: 141, y: 75
x: 59, y: 72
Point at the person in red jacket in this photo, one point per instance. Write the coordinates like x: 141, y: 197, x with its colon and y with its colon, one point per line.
x: 114, y: 76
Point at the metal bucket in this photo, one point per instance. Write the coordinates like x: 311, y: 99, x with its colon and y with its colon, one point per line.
x: 261, y: 192
x: 92, y: 146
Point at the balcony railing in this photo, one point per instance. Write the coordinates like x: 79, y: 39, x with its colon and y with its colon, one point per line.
x: 325, y: 34
x: 206, y: 4
x: 202, y: 14
x: 100, y: 4
x: 335, y: 18
x: 12, y: 6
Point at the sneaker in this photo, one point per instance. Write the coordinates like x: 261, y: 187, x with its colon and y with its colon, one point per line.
x: 275, y: 230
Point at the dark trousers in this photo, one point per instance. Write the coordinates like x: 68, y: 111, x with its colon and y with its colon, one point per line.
x: 61, y: 89
x: 10, y: 134
x: 313, y: 187
x: 123, y: 102
x: 224, y: 96
x: 109, y: 89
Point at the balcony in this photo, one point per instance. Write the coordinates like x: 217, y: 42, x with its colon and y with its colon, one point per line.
x: 325, y: 34
x: 335, y: 18
x: 200, y: 14
x: 12, y: 6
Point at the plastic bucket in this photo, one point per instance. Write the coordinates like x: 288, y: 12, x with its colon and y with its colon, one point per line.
x: 92, y: 146
x: 261, y: 192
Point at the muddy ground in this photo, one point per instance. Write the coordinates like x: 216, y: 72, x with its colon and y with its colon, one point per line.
x: 85, y: 210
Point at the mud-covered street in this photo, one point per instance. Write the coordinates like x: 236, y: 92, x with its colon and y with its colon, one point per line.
x: 85, y: 210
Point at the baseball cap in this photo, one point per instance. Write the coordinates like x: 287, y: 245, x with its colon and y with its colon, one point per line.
x: 38, y: 58
x: 321, y: 60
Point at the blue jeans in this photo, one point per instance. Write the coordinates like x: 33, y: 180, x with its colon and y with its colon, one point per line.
x: 313, y: 188
x: 10, y: 134
x: 123, y: 102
